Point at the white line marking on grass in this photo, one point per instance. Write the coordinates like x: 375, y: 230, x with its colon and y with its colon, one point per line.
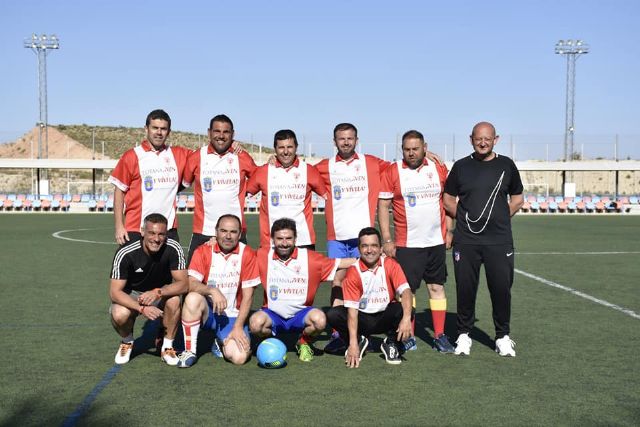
x: 580, y: 294
x: 579, y: 253
x: 58, y: 235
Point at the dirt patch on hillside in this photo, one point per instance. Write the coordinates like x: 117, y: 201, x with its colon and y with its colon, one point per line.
x: 60, y: 147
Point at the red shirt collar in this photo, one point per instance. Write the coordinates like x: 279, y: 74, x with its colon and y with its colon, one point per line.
x: 211, y: 150
x: 295, y: 163
x: 294, y: 255
x: 146, y: 146
x: 340, y: 159
x: 217, y: 249
x: 424, y: 162
x: 363, y: 267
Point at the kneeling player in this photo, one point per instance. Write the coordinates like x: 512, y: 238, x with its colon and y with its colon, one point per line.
x: 148, y: 277
x: 290, y: 277
x: 222, y: 278
x: 371, y: 290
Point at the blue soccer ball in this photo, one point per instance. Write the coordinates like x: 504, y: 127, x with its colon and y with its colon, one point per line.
x: 272, y: 354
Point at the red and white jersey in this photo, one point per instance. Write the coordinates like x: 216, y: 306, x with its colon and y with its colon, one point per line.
x: 230, y: 273
x: 286, y: 193
x: 220, y: 186
x: 418, y: 212
x: 371, y: 290
x: 291, y: 285
x: 150, y: 181
x: 354, y: 186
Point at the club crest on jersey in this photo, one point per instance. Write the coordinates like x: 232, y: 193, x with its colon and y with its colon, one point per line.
x: 456, y: 256
x: 207, y: 184
x: 296, y: 175
x: 357, y: 168
x: 275, y: 198
x: 273, y: 292
x: 363, y: 303
x: 297, y: 268
x: 430, y: 175
x: 411, y: 199
x: 148, y: 183
x: 337, y: 192
x: 234, y: 263
x: 167, y: 160
x: 229, y: 160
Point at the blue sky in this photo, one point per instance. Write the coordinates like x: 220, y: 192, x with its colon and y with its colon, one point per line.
x: 387, y: 67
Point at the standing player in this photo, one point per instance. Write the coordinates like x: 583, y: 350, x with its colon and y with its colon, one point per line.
x: 371, y: 290
x: 286, y: 190
x: 489, y: 192
x: 290, y: 277
x: 148, y: 276
x: 414, y: 186
x: 222, y: 278
x: 147, y: 180
x: 220, y: 174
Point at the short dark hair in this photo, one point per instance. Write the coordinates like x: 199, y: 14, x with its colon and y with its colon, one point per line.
x: 284, y: 224
x: 223, y: 118
x: 158, y: 115
x: 369, y: 231
x: 344, y: 126
x: 155, y: 218
x: 413, y: 134
x: 283, y: 134
x: 226, y: 216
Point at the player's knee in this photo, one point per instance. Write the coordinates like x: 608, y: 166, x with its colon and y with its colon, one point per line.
x: 120, y: 315
x: 436, y: 291
x: 234, y: 354
x: 172, y: 304
x: 257, y: 322
x: 192, y: 303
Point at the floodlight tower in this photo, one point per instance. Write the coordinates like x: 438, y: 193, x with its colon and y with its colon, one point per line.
x: 572, y: 49
x: 41, y: 46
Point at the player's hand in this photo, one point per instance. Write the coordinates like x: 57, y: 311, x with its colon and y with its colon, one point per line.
x: 237, y: 147
x: 352, y: 357
x: 434, y: 157
x: 218, y: 300
x: 238, y: 335
x: 151, y: 312
x: 122, y: 236
x: 448, y: 240
x: 211, y: 241
x: 404, y: 329
x: 389, y: 249
x: 148, y: 297
x: 272, y: 160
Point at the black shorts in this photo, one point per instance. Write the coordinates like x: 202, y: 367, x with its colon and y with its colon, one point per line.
x: 428, y: 264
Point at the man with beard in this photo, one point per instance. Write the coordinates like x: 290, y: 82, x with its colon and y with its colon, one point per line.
x: 290, y: 277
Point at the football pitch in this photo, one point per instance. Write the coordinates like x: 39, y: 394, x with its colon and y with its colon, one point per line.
x: 575, y: 318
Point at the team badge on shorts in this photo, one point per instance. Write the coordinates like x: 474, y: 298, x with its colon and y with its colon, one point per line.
x: 207, y: 184
x: 275, y: 198
x: 273, y: 292
x: 411, y: 199
x: 148, y: 183
x: 363, y: 304
x: 456, y: 256
x: 337, y: 192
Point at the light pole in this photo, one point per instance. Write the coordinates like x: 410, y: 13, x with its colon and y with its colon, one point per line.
x: 572, y: 49
x: 41, y: 45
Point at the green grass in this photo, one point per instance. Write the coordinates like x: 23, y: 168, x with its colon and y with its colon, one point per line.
x: 577, y: 361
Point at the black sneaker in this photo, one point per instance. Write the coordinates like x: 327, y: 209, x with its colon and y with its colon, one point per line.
x: 390, y: 351
x: 363, y: 343
x: 336, y: 345
x: 443, y: 345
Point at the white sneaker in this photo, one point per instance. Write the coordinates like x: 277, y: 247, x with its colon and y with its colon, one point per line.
x: 169, y: 356
x: 463, y: 345
x: 505, y: 346
x: 124, y: 353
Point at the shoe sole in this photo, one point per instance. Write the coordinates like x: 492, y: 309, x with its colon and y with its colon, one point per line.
x: 505, y: 354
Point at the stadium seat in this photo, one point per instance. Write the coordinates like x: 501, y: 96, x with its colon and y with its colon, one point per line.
x: 590, y: 207
x: 191, y: 205
x: 595, y: 199
x: 7, y: 205
x: 182, y: 198
x: 64, y: 206
x: 17, y: 205
x: 55, y: 205
x: 85, y: 198
x: 553, y: 207
x: 600, y: 207
x: 75, y: 198
x: 57, y: 196
x: 535, y: 207
x: 109, y: 205
x: 526, y: 207
x: 559, y: 199
x: 3, y: 197
x: 182, y: 205
x: 544, y: 207
x: 531, y: 198
x: 67, y: 197
x: 581, y: 207
x: 12, y: 197
x: 633, y: 200
x: 27, y: 205
x: 46, y: 205
x: 191, y: 198
x: 101, y: 205
x: 541, y: 199
x: 578, y: 199
x: 571, y: 207
x: 586, y: 199
x: 36, y: 205
x: 92, y: 204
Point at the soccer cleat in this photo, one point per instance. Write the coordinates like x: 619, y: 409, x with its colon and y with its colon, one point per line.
x: 505, y: 346
x: 186, y: 359
x: 390, y: 351
x: 443, y: 345
x: 168, y: 356
x: 410, y: 344
x: 216, y: 350
x: 463, y: 345
x: 124, y: 353
x: 363, y: 345
x: 305, y: 352
x: 336, y: 345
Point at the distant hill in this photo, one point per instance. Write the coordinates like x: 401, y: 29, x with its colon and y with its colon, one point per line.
x: 118, y: 139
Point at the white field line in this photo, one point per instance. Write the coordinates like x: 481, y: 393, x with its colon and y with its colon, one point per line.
x: 58, y: 235
x: 580, y: 294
